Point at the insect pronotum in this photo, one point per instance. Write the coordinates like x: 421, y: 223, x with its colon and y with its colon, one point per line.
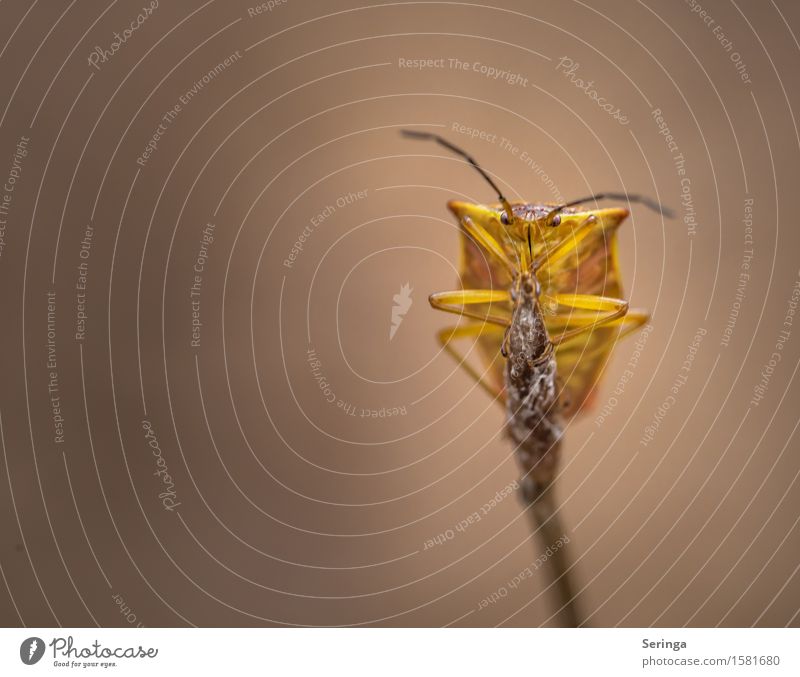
x: 540, y: 287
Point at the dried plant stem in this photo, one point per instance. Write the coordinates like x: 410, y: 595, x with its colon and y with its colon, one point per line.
x: 547, y: 523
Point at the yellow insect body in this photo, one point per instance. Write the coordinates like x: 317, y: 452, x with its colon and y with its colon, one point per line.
x: 578, y: 257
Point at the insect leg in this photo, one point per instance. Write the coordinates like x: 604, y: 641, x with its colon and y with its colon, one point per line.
x: 454, y: 302
x: 605, y: 310
x: 627, y: 325
x: 488, y: 242
x: 446, y: 336
x: 568, y: 244
x: 631, y: 322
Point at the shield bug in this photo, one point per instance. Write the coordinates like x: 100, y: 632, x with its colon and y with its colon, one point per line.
x: 542, y: 296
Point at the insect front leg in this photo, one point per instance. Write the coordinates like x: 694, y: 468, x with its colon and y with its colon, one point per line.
x: 486, y: 240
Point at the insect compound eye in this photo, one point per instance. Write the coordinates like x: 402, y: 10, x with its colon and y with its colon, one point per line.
x: 504, y: 218
x: 556, y: 220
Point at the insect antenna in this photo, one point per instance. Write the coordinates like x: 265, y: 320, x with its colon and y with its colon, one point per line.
x: 429, y: 136
x: 626, y: 197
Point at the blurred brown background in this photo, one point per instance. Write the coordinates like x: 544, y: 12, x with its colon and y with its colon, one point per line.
x: 289, y: 493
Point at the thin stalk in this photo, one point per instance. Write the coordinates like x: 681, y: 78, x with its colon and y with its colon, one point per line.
x: 547, y: 523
